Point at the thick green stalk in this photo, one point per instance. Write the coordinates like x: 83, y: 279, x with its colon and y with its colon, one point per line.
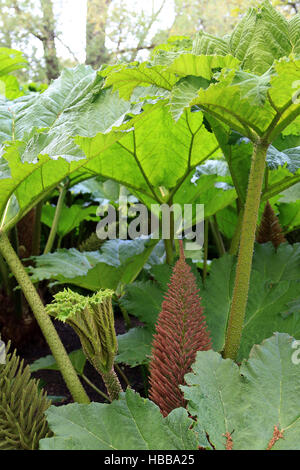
x: 112, y: 384
x: 43, y: 320
x: 63, y: 191
x: 244, y: 264
x: 237, y: 235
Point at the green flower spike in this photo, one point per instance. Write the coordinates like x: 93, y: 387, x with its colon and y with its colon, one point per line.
x: 93, y: 320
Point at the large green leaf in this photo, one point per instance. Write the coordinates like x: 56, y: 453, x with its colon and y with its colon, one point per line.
x: 125, y: 78
x: 289, y: 217
x: 274, y: 288
x: 118, y: 264
x: 10, y: 87
x: 77, y: 358
x: 130, y: 423
x: 208, y: 44
x: 10, y: 60
x: 143, y: 300
x: 262, y: 36
x: 289, y: 158
x: 273, y: 305
x: 236, y: 99
x: 74, y: 104
x: 157, y: 153
x: 280, y: 265
x: 134, y: 347
x: 244, y: 405
x: 70, y: 217
x: 30, y: 182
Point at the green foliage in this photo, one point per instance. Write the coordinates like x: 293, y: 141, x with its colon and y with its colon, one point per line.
x: 289, y: 215
x: 262, y: 36
x: 70, y: 217
x: 140, y: 159
x: 44, y: 125
x: 246, y: 403
x: 274, y: 287
x: 143, y: 300
x: 254, y: 406
x: 10, y: 60
x: 22, y: 407
x: 179, y: 129
x: 10, y: 87
x: 77, y: 359
x: 97, y: 427
x: 134, y: 347
x: 118, y: 263
x: 274, y: 301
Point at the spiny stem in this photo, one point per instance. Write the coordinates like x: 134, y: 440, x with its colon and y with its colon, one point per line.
x: 237, y: 235
x: 62, y: 194
x: 112, y: 384
x: 43, y: 320
x: 244, y: 264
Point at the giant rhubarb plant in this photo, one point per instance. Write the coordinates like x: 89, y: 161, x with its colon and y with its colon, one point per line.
x: 259, y: 103
x: 180, y: 332
x: 93, y: 320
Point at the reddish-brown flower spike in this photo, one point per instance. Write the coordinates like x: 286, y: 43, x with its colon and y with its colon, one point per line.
x: 270, y: 229
x: 180, y: 332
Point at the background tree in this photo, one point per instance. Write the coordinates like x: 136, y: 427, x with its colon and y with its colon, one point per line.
x: 119, y: 30
x: 47, y: 36
x: 218, y: 17
x: 96, y: 24
x: 116, y: 30
x: 25, y: 25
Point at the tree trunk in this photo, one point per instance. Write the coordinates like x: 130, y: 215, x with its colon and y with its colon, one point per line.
x: 96, y: 52
x: 48, y: 40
